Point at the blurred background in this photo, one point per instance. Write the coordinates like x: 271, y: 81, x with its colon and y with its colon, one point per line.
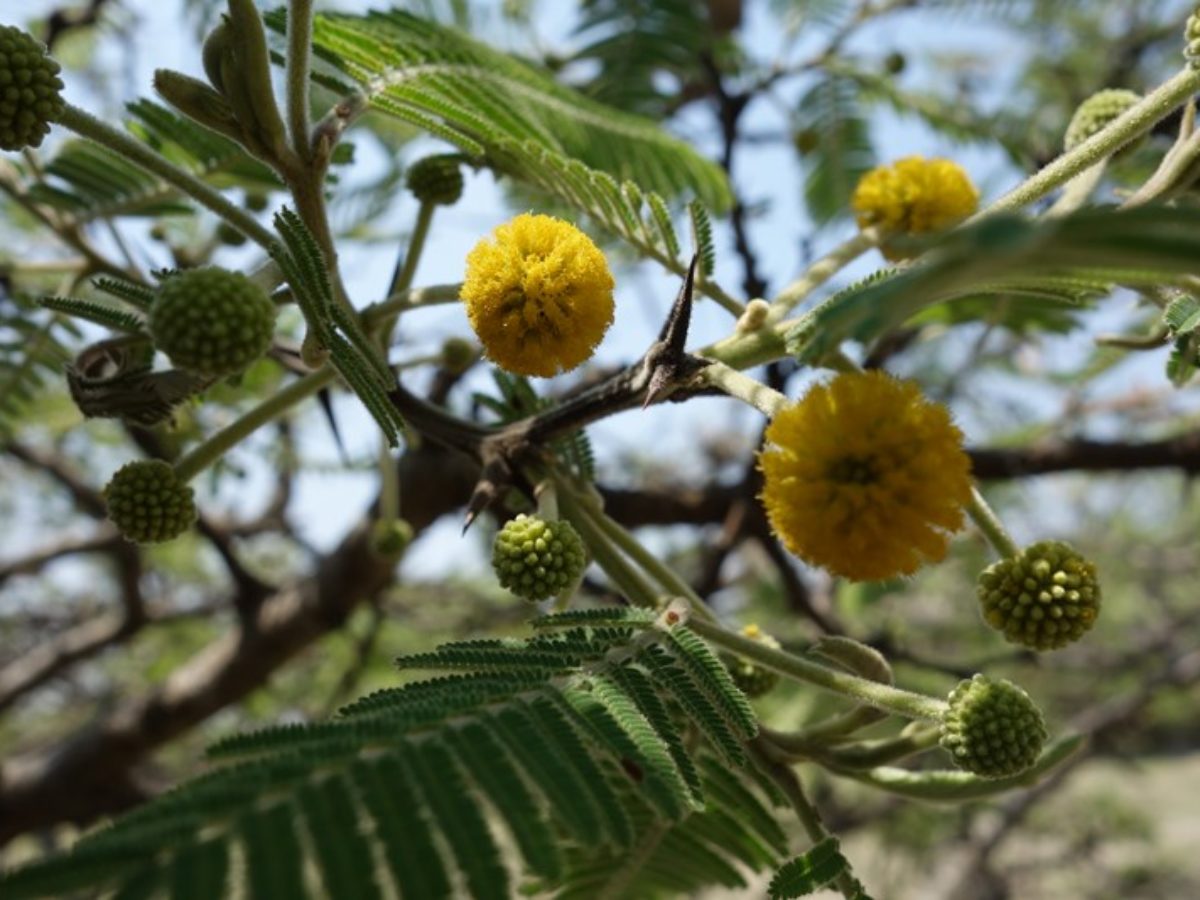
x: 119, y: 664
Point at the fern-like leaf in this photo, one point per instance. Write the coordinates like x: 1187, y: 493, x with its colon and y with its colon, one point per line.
x: 426, y: 788
x: 838, y: 144
x: 34, y: 349
x: 1084, y: 253
x: 335, y: 327
x: 498, y: 108
x: 85, y: 182
x: 809, y: 872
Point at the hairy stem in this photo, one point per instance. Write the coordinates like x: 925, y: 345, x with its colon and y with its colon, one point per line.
x: 822, y: 270
x: 989, y: 523
x: 749, y: 390
x: 1136, y: 121
x: 626, y: 543
x: 882, y: 696
x: 628, y: 580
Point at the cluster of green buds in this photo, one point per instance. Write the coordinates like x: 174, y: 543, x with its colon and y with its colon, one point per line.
x: 536, y: 558
x: 1045, y: 597
x: 149, y: 503
x: 1096, y: 113
x: 436, y: 180
x: 30, y: 90
x: 752, y: 679
x: 992, y: 729
x: 211, y: 321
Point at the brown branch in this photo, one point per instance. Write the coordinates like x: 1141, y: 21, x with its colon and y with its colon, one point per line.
x: 51, y: 658
x: 103, y: 541
x: 86, y: 497
x: 1181, y: 452
x: 90, y: 773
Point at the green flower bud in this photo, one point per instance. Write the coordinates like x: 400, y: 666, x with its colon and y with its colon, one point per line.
x: 752, y: 679
x: 436, y: 179
x: 1043, y: 598
x: 458, y: 355
x: 1096, y: 113
x: 211, y: 321
x: 149, y: 503
x: 229, y: 235
x: 992, y: 728
x: 30, y: 90
x: 536, y: 559
x: 391, y: 537
x: 198, y: 101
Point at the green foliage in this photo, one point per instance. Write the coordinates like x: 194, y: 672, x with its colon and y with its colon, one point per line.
x: 334, y: 327
x: 837, y: 145
x: 497, y: 109
x: 570, y: 738
x: 1094, y: 249
x: 635, y: 43
x: 85, y: 182
x: 809, y: 872
x: 33, y: 351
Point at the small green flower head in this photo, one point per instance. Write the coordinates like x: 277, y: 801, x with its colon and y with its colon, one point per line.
x: 752, y: 679
x: 436, y: 179
x: 536, y: 559
x: 1096, y: 113
x: 1043, y: 598
x: 458, y: 355
x: 211, y: 321
x: 148, y: 502
x: 30, y: 90
x: 992, y: 728
x: 391, y: 537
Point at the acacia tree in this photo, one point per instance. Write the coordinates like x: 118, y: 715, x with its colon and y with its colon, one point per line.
x: 608, y: 744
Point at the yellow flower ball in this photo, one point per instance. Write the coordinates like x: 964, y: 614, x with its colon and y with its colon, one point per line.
x: 539, y: 295
x: 914, y: 195
x: 865, y: 477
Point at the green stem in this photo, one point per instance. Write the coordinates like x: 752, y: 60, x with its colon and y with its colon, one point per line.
x: 789, y: 783
x: 403, y: 276
x: 86, y: 125
x: 411, y: 298
x: 882, y: 696
x: 989, y: 523
x: 624, y: 542
x: 547, y: 500
x: 628, y: 580
x: 822, y: 270
x: 743, y: 351
x: 389, y: 484
x: 749, y: 390
x: 1135, y: 122
x: 953, y: 786
x: 1078, y: 190
x: 861, y: 755
x: 416, y: 244
x: 209, y: 451
x: 299, y: 57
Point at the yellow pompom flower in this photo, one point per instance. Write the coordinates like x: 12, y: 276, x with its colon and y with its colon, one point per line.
x: 539, y: 295
x: 865, y: 477
x: 914, y: 195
